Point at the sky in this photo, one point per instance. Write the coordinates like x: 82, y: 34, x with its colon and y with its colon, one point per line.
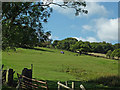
x: 100, y: 24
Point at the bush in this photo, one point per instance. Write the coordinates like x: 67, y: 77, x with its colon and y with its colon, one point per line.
x: 108, y: 54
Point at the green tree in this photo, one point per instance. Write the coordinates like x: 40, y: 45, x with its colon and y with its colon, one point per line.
x: 116, y: 53
x: 55, y: 43
x: 31, y: 16
x: 66, y: 43
x: 85, y: 47
x: 75, y: 47
x: 101, y: 47
x: 24, y: 20
x: 107, y: 47
x: 116, y: 46
x: 81, y: 46
x: 113, y: 54
x: 108, y: 54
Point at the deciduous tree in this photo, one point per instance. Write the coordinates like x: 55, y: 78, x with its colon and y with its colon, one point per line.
x: 30, y: 16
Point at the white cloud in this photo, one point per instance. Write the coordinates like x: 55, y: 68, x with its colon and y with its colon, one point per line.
x: 87, y: 27
x: 66, y: 11
x: 94, y: 8
x: 104, y: 29
x: 70, y: 12
x: 102, y: 0
x: 90, y: 39
x: 69, y: 0
x: 107, y: 29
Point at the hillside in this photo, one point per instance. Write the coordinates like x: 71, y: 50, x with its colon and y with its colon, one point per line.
x: 50, y: 64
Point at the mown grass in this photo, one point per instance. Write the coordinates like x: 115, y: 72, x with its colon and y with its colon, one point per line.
x: 51, y: 65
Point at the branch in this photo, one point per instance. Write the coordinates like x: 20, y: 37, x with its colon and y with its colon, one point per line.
x: 42, y: 5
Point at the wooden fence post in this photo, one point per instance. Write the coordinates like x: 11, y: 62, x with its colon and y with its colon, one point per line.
x: 82, y: 87
x: 66, y: 83
x: 46, y: 85
x: 19, y: 82
x: 9, y: 77
x: 62, y: 85
x: 4, y: 76
x: 28, y: 73
x: 58, y: 85
x: 6, y: 81
x: 72, y: 85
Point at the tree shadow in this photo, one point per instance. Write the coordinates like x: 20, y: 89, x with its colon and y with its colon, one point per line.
x: 106, y: 82
x: 37, y: 49
x: 102, y: 83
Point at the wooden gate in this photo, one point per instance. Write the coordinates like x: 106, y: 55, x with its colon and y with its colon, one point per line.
x: 25, y: 83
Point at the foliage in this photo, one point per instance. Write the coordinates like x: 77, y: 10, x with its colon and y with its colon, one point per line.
x: 74, y: 45
x: 108, y: 54
x: 116, y: 53
x: 65, y: 44
x: 22, y: 24
x: 55, y: 42
x: 112, y: 55
x: 22, y: 21
x: 116, y: 46
x: 101, y: 47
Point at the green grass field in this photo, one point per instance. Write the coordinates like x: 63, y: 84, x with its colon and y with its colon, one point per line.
x: 50, y: 64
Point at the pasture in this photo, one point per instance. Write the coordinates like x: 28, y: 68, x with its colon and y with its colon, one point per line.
x: 51, y: 65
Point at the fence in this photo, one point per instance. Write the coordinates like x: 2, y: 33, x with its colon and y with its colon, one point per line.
x: 62, y: 85
x: 66, y: 86
x: 27, y: 83
x: 7, y: 76
x: 25, y: 80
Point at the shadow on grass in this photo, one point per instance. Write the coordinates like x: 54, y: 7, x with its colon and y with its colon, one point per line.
x: 12, y: 87
x: 105, y: 82
x: 37, y: 49
x: 102, y: 83
x: 108, y: 81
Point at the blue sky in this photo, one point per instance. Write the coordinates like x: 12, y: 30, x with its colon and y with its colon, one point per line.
x: 100, y: 24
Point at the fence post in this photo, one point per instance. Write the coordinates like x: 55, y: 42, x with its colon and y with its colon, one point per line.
x: 58, y: 85
x: 19, y: 82
x: 28, y: 73
x: 9, y: 77
x: 6, y: 81
x: 82, y: 87
x: 4, y: 76
x: 66, y: 83
x: 72, y: 85
x: 46, y: 85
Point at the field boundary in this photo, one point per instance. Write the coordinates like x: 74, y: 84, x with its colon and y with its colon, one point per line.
x: 25, y: 82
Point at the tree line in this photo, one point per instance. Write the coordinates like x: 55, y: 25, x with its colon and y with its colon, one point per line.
x: 72, y: 44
